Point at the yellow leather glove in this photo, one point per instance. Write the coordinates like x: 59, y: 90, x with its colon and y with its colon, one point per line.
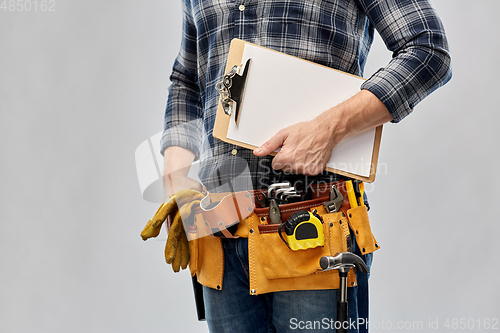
x: 176, y: 249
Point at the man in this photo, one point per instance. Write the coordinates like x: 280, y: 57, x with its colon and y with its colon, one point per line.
x: 334, y: 33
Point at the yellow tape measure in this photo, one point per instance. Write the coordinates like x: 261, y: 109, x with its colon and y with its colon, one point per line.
x: 303, y: 230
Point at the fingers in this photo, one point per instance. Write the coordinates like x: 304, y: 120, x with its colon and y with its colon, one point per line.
x: 177, y: 247
x: 173, y: 239
x: 272, y: 144
x: 297, y: 162
x: 305, y: 148
x: 153, y: 227
x: 176, y: 264
x: 184, y: 251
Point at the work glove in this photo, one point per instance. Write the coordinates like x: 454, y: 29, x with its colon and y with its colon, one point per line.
x: 177, y: 248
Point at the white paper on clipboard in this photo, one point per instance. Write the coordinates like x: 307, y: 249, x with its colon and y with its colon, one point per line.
x: 282, y: 90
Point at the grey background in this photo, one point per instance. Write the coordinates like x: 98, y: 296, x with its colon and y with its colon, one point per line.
x: 83, y: 86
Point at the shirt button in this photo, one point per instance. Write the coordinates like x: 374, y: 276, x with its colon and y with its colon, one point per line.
x: 234, y: 152
x: 241, y: 8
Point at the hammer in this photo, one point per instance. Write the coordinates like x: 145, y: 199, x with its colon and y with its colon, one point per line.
x: 342, y: 262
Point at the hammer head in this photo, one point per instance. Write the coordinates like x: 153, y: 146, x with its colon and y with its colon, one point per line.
x: 343, y: 260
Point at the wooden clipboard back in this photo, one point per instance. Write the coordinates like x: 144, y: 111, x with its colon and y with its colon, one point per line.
x: 222, y: 120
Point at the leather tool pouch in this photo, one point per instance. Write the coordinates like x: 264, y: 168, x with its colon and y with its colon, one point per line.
x: 272, y: 265
x: 278, y: 261
x: 358, y: 220
x: 221, y: 218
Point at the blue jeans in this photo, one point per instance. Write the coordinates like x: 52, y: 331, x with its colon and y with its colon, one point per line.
x: 233, y: 309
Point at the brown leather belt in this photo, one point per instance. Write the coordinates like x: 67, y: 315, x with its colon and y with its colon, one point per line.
x: 320, y: 194
x: 228, y: 212
x: 233, y: 208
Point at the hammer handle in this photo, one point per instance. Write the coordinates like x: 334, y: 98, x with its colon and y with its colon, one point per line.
x: 342, y: 317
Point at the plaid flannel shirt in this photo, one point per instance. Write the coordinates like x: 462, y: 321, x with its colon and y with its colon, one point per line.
x: 334, y: 33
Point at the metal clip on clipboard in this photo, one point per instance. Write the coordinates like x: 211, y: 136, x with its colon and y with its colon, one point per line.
x: 232, y: 88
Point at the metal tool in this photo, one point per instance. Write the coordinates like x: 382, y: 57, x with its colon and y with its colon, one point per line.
x: 276, y: 186
x: 335, y: 202
x: 282, y: 193
x: 286, y: 196
x: 273, y: 191
x: 260, y: 198
x: 232, y: 89
x: 343, y: 262
x: 274, y: 212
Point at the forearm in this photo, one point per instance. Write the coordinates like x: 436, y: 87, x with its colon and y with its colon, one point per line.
x: 359, y: 113
x: 306, y: 147
x: 176, y: 166
x: 177, y: 160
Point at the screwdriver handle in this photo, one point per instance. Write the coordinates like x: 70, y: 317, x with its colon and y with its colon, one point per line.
x: 362, y: 191
x: 350, y: 194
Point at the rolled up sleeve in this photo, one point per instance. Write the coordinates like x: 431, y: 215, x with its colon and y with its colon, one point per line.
x: 421, y: 62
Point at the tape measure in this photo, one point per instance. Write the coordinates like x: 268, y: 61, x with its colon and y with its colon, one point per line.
x: 303, y: 230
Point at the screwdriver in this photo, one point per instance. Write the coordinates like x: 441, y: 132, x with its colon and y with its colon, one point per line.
x: 350, y: 194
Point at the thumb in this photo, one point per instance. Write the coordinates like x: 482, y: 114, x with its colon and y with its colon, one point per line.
x: 271, y: 145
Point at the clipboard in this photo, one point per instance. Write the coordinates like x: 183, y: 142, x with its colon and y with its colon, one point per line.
x: 280, y: 86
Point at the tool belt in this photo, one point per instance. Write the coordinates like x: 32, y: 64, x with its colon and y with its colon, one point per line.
x: 273, y: 265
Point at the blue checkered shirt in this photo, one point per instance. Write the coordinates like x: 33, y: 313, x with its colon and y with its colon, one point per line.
x: 334, y: 33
